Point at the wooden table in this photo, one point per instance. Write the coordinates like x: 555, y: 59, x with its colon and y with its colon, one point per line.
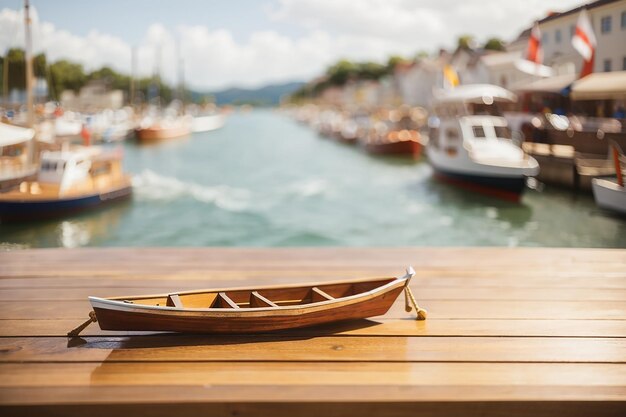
x: 510, y: 332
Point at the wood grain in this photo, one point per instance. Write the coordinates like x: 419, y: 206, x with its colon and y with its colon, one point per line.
x: 516, y: 332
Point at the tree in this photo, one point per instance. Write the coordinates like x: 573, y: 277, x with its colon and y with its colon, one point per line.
x: 466, y: 42
x: 66, y: 75
x: 394, y: 61
x: 494, y: 44
x: 341, y: 72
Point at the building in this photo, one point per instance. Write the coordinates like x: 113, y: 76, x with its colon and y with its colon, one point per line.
x: 93, y: 97
x: 608, y: 19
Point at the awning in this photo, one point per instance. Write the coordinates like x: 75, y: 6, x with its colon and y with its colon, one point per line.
x: 547, y: 85
x: 10, y: 135
x: 600, y: 86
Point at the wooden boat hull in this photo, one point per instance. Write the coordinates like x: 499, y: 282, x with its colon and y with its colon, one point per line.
x: 408, y: 147
x: 212, y: 323
x: 121, y: 314
x: 25, y: 210
x: 158, y: 134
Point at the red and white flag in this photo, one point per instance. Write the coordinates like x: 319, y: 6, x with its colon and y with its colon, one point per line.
x: 584, y: 41
x: 534, y: 52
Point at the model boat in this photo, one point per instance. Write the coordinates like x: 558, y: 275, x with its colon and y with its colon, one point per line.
x: 470, y: 143
x: 71, y: 180
x: 252, y: 310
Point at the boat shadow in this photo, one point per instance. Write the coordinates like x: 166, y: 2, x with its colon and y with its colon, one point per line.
x: 168, y: 339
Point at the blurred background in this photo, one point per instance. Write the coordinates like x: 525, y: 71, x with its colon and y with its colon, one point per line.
x: 307, y: 123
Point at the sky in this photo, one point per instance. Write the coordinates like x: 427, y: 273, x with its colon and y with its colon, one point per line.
x: 250, y: 43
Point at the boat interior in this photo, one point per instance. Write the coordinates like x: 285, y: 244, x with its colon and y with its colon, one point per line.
x: 263, y: 297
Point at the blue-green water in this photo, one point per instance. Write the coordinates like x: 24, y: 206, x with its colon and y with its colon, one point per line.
x: 264, y: 180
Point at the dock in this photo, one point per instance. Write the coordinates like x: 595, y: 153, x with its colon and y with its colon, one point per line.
x: 510, y: 331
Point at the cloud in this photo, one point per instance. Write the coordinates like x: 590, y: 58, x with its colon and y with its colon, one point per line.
x: 330, y: 29
x: 419, y: 24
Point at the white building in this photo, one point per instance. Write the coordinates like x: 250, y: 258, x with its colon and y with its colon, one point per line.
x: 92, y: 97
x: 608, y: 19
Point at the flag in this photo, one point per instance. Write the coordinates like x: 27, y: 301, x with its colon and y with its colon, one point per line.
x: 450, y: 77
x: 534, y: 52
x: 584, y: 41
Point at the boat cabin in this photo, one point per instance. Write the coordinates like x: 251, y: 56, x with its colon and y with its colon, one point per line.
x: 75, y: 171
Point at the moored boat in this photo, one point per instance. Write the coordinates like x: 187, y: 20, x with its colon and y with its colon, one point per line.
x: 151, y: 130
x: 68, y: 181
x: 402, y: 142
x: 207, y: 123
x: 610, y: 193
x: 470, y: 144
x: 255, y: 309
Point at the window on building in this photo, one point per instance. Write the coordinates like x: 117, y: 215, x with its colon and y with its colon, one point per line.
x: 605, y: 24
x: 607, y: 65
x: 557, y: 36
x: 572, y: 30
x: 623, y: 20
x: 624, y: 64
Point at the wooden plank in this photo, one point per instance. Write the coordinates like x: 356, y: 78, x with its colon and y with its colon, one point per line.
x: 280, y: 400
x: 438, y: 309
x: 225, y: 301
x: 257, y: 300
x: 133, y: 260
x: 173, y: 300
x: 510, y: 331
x: 319, y: 295
x: 374, y: 327
x: 425, y: 293
x: 340, y: 374
x: 286, y: 348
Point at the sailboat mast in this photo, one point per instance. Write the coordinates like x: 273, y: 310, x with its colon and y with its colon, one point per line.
x: 30, y: 119
x: 5, y: 78
x: 133, y: 68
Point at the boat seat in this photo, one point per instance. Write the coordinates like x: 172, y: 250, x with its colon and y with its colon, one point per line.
x: 318, y: 295
x: 225, y: 301
x: 257, y: 300
x: 173, y: 300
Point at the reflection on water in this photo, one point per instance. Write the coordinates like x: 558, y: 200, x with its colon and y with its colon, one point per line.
x: 264, y: 180
x: 84, y: 230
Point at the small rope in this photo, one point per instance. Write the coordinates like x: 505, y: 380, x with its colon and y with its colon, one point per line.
x: 408, y: 295
x: 76, y: 331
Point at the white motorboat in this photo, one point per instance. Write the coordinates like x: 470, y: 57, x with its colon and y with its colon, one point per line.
x: 470, y: 144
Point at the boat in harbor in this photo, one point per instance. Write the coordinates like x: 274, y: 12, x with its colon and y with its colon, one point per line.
x: 610, y: 193
x: 395, y: 142
x: 254, y: 309
x: 15, y: 162
x: 207, y: 123
x: 152, y: 130
x: 470, y: 144
x: 68, y: 181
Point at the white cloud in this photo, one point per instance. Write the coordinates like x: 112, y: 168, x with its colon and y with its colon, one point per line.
x: 418, y: 24
x: 364, y: 29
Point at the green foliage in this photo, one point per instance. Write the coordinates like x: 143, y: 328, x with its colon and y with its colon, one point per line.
x: 465, y: 42
x: 66, y: 75
x: 494, y: 44
x: 394, y: 61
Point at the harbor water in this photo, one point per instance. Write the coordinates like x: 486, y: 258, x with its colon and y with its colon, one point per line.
x: 265, y: 180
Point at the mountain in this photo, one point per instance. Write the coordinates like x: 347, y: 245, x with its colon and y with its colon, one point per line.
x: 268, y: 95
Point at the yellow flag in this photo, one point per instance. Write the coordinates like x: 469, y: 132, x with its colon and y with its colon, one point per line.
x: 450, y: 76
